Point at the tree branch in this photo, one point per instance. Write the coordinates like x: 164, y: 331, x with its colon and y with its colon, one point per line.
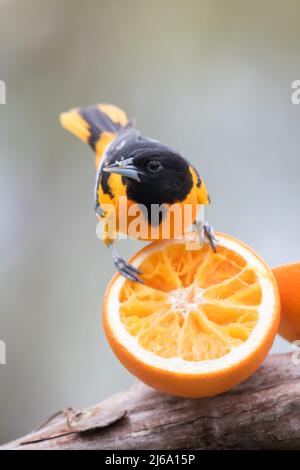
x: 262, y: 413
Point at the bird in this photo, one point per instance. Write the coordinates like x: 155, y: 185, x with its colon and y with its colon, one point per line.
x: 143, y: 173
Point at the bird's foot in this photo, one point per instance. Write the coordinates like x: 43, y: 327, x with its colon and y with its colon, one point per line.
x: 129, y: 271
x: 209, y: 235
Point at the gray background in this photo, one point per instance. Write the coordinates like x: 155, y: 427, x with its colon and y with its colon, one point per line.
x: 210, y: 78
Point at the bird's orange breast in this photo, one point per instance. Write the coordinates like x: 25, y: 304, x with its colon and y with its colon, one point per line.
x: 147, y: 223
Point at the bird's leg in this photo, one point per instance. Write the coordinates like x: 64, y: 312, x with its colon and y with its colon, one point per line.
x: 205, y: 232
x: 209, y: 235
x: 129, y: 271
x: 99, y: 211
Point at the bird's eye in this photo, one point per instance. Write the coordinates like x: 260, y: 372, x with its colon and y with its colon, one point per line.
x: 154, y: 166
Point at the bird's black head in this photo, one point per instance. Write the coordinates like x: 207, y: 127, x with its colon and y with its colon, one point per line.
x: 153, y: 173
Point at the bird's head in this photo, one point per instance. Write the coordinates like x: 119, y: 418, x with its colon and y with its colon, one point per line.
x: 153, y: 173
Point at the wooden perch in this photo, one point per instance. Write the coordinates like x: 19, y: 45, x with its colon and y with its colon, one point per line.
x: 262, y: 413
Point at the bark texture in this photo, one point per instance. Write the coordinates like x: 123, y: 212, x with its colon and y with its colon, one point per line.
x: 261, y: 413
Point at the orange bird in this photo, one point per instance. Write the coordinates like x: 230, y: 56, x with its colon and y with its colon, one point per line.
x: 143, y: 171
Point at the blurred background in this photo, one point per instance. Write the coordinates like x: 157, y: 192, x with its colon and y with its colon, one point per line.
x: 212, y: 79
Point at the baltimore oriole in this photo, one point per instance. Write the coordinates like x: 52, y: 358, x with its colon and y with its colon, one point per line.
x: 140, y: 169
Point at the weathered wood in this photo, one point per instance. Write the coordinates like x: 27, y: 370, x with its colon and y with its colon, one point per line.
x: 262, y: 413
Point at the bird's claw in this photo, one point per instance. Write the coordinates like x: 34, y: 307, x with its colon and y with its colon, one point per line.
x: 129, y: 271
x: 209, y: 234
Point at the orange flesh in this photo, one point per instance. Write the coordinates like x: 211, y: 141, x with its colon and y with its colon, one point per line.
x: 196, y: 305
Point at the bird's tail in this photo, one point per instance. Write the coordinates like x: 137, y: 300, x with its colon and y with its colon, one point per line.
x: 95, y: 125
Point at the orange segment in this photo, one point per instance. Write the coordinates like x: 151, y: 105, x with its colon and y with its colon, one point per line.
x: 201, y: 340
x: 161, y: 337
x: 159, y: 273
x: 194, y: 318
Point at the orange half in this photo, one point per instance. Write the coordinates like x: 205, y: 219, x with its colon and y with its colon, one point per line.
x: 201, y: 323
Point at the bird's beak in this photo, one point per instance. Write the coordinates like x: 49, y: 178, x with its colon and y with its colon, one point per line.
x: 124, y: 168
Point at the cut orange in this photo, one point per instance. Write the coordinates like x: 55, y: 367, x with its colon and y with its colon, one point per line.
x: 288, y: 280
x: 201, y: 323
